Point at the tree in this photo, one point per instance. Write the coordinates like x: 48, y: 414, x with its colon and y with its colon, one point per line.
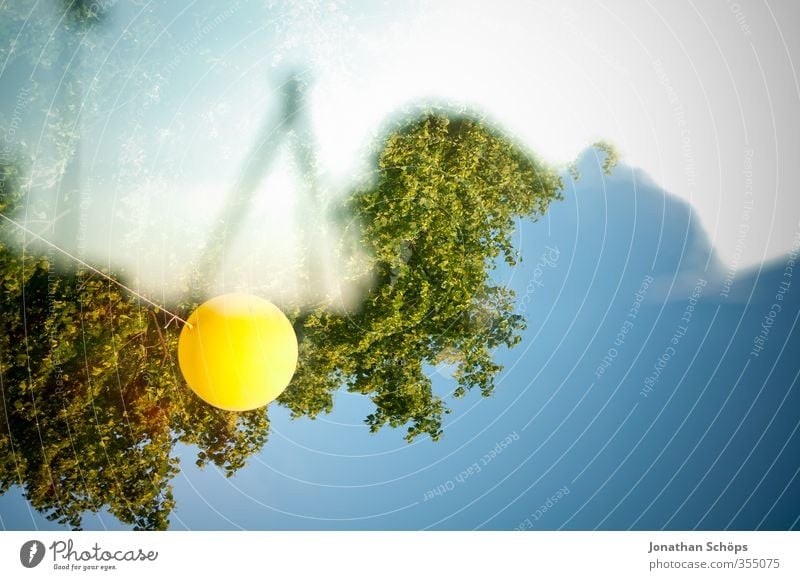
x: 94, y: 404
x: 440, y: 213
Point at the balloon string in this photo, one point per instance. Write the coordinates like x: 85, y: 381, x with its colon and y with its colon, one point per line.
x: 96, y: 271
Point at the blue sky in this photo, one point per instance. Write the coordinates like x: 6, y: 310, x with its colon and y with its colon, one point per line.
x: 712, y: 445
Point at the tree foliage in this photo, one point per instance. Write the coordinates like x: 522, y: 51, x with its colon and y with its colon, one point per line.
x: 94, y: 404
x: 436, y: 218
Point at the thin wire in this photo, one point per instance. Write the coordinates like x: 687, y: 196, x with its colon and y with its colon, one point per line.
x: 95, y: 270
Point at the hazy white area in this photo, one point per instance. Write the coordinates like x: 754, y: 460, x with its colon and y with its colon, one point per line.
x: 703, y: 96
x: 696, y: 94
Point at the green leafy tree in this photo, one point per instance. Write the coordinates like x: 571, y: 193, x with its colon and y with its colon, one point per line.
x: 92, y: 400
x: 94, y: 404
x: 437, y: 217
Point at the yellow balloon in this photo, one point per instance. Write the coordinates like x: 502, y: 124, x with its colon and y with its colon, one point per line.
x: 238, y: 352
